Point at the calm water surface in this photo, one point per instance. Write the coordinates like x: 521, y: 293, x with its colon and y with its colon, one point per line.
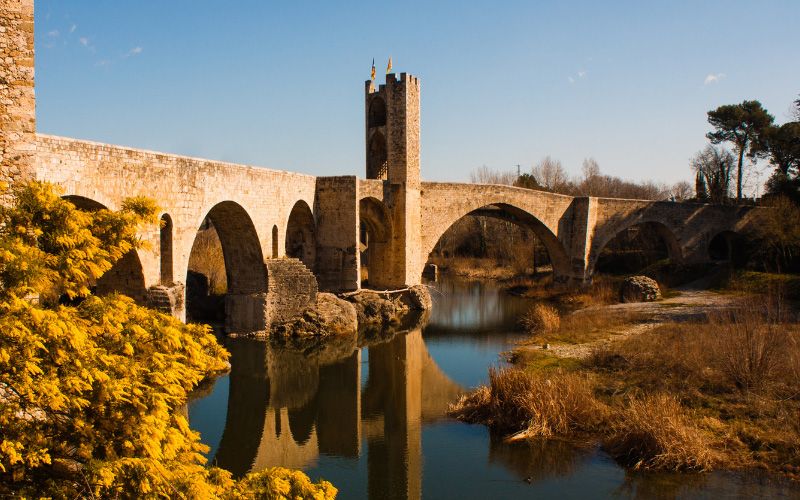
x: 370, y: 417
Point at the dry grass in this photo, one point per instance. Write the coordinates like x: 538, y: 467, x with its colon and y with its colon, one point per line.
x: 680, y: 397
x: 476, y: 268
x: 738, y: 373
x: 749, y: 348
x: 541, y: 319
x: 604, y: 290
x: 655, y: 433
x: 532, y: 405
x: 207, y: 259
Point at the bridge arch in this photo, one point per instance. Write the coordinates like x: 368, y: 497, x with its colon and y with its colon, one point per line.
x: 666, y: 234
x: 375, y: 240
x: 301, y: 234
x: 244, y: 270
x: 508, y: 211
x: 725, y: 246
x: 126, y: 276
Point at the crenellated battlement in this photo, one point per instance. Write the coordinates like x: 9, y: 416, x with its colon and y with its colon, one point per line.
x: 392, y: 80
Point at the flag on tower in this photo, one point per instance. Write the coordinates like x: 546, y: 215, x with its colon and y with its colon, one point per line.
x: 389, y: 66
x: 372, y: 73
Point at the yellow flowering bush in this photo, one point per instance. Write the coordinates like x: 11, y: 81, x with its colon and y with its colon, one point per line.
x: 90, y: 394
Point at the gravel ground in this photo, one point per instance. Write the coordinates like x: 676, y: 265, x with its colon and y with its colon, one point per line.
x: 687, y: 305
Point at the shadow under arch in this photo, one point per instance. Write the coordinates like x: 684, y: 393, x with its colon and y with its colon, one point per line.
x: 503, y: 211
x: 726, y: 247
x: 126, y: 276
x: 165, y: 249
x: 375, y: 237
x: 245, y: 272
x: 301, y: 234
x: 672, y: 247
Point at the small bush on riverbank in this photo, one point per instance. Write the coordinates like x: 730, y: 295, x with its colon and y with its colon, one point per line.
x: 654, y: 433
x: 541, y: 319
x: 533, y: 405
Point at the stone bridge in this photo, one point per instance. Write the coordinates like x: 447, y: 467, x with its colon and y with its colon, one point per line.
x: 262, y: 214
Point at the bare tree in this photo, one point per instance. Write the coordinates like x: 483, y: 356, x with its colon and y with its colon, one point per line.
x: 551, y: 175
x: 681, y: 191
x: 592, y: 182
x: 715, y: 166
x: 486, y: 175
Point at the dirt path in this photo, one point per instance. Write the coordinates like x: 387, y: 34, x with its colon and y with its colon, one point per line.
x: 688, y: 305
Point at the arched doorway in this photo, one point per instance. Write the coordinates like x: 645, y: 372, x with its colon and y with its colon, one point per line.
x: 227, y: 244
x: 274, y: 242
x: 300, y: 234
x: 377, y: 157
x: 376, y: 117
x: 165, y: 249
x: 126, y: 276
x: 375, y: 233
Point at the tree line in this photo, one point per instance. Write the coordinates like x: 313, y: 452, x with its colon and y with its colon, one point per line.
x: 747, y: 128
x: 751, y: 132
x: 549, y: 175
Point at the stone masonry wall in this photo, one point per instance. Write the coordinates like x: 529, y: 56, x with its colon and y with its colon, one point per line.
x: 336, y: 210
x: 687, y: 227
x: 292, y: 289
x: 17, y: 100
x: 185, y: 188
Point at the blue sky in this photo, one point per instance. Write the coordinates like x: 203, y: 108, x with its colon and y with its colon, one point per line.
x: 280, y: 84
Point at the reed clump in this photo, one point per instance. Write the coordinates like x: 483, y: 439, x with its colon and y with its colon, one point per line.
x: 528, y: 405
x: 541, y: 319
x: 654, y: 432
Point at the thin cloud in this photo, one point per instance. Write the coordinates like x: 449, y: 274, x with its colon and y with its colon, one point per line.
x: 713, y: 78
x: 572, y: 79
x: 86, y: 43
x: 73, y: 28
x: 134, y: 52
x: 53, y: 34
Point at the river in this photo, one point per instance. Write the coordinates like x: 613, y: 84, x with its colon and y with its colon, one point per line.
x: 371, y: 418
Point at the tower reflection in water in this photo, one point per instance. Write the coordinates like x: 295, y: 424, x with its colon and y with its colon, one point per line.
x: 287, y: 407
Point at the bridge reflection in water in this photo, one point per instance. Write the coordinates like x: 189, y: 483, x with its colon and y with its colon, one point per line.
x: 365, y: 404
x: 288, y: 408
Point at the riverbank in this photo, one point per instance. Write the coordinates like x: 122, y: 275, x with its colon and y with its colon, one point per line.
x: 696, y: 382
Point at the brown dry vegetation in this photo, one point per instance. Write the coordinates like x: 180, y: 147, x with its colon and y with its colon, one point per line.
x: 683, y: 396
x: 541, y: 319
x: 545, y: 324
x: 533, y: 405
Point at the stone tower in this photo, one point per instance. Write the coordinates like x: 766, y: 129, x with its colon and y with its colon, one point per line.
x: 392, y: 142
x: 17, y: 101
